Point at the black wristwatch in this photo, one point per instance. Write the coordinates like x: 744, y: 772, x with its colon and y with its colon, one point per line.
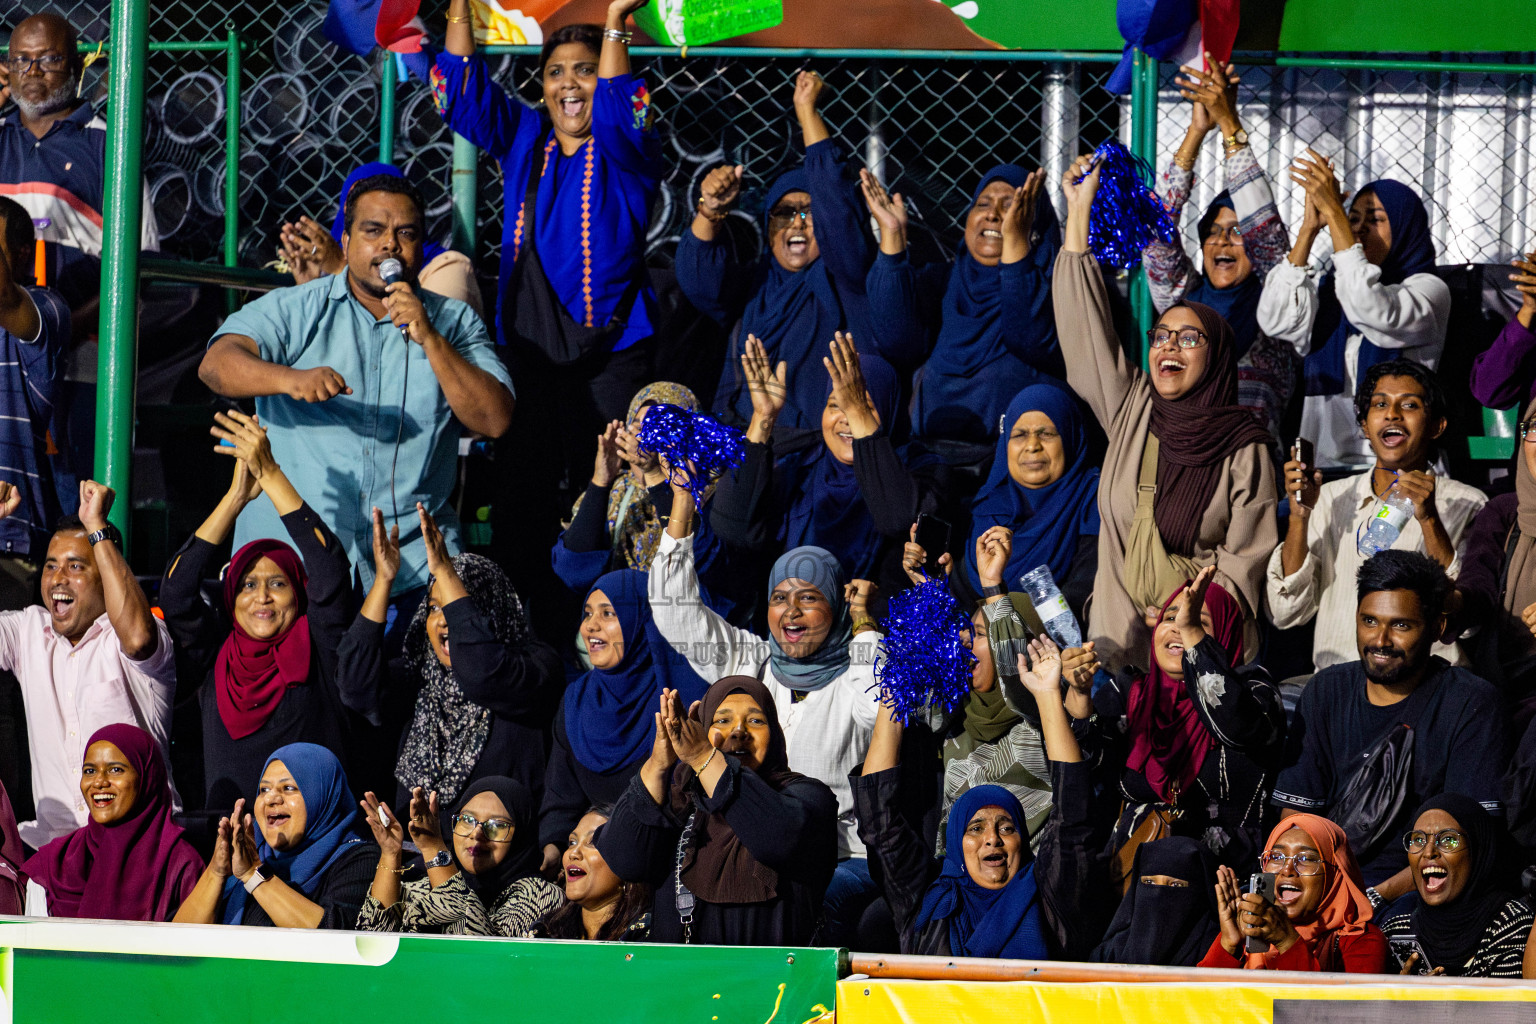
x: 442, y: 860
x: 997, y: 591
x: 108, y: 532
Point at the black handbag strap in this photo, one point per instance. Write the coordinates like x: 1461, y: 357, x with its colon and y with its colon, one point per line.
x: 531, y: 203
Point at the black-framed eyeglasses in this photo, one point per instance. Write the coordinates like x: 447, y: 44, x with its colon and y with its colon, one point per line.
x: 1447, y: 840
x: 1307, y: 864
x: 786, y: 214
x: 51, y: 63
x: 1186, y: 337
x: 1527, y: 431
x: 497, y: 830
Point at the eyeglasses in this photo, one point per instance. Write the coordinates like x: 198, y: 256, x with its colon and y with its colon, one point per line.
x: 497, y: 830
x: 1528, y: 431
x: 1230, y: 235
x: 1447, y: 840
x: 1187, y: 337
x: 1307, y: 864
x: 51, y: 63
x: 787, y: 214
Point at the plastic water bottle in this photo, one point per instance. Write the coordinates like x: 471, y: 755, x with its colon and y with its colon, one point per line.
x: 1052, y: 608
x: 1393, y: 510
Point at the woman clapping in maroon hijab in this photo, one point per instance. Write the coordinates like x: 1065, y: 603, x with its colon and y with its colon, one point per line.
x: 129, y: 862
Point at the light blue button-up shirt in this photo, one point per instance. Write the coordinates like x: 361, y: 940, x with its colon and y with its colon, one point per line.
x: 342, y: 454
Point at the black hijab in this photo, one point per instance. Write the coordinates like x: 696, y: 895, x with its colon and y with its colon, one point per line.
x: 717, y: 866
x: 1165, y: 925
x: 1451, y: 932
x: 525, y: 855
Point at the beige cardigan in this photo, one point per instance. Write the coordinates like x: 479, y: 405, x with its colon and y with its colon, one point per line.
x: 1238, y: 530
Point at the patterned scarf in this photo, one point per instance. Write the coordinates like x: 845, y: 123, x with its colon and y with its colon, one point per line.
x: 448, y: 731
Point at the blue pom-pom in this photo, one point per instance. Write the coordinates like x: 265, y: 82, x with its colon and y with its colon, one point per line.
x: 685, y: 439
x: 1126, y: 215
x: 925, y: 661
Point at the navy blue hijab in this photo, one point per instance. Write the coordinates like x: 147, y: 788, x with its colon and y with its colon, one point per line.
x: 1238, y: 304
x: 825, y: 507
x: 1004, y: 923
x: 608, y: 712
x: 794, y: 314
x: 963, y: 372
x: 332, y: 825
x: 1412, y: 252
x: 1046, y: 522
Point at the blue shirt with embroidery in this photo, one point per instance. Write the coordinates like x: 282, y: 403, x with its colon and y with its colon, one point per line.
x: 592, y: 207
x: 349, y: 454
x: 29, y: 373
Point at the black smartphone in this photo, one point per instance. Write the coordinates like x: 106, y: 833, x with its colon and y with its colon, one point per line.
x: 933, y: 538
x: 1263, y: 883
x: 1302, y: 451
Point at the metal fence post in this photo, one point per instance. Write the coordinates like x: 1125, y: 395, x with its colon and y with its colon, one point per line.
x: 121, y: 232
x: 1143, y: 145
x: 466, y: 183
x: 232, y: 160
x: 388, y: 79
x: 1060, y: 126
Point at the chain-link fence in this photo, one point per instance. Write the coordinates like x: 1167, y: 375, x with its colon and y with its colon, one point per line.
x: 1461, y: 139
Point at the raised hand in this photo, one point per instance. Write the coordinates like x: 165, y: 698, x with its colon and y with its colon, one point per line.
x: 95, y: 504
x: 857, y: 594
x: 309, y: 250
x: 622, y: 9
x: 1081, y: 182
x: 889, y: 211
x: 1078, y: 665
x: 914, y: 557
x: 993, y: 549
x: 246, y: 440
x: 766, y: 383
x: 808, y: 89
x: 1213, y: 92
x: 1418, y: 486
x: 1315, y: 174
x: 663, y: 756
x: 720, y: 190
x: 848, y: 388
x: 1019, y: 217
x: 439, y: 561
x: 1525, y: 284
x: 243, y: 856
x: 388, y: 832
x: 386, y: 548
x: 689, y: 736
x: 1187, y: 620
x: 223, y: 849
x: 1304, y: 484
x: 608, y: 465
x: 425, y: 826
x: 1044, y: 678
x: 10, y: 498
x: 1227, y: 896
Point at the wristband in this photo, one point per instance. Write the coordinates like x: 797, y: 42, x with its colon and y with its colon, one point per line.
x: 859, y: 624
x: 994, y: 591
x: 713, y: 216
x: 258, y: 875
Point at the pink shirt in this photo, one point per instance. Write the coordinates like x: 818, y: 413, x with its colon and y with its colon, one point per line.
x: 69, y: 693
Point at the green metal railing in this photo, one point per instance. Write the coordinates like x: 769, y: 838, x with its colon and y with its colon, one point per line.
x: 474, y: 218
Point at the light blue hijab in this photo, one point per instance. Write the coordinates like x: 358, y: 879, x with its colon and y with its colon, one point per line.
x: 821, y: 569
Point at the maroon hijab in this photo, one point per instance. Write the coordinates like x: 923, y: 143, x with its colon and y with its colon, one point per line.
x: 137, y: 869
x: 13, y: 881
x: 1197, y: 433
x: 250, y: 675
x: 1169, y: 742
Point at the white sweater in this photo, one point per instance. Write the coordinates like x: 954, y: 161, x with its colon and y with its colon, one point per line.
x: 826, y: 732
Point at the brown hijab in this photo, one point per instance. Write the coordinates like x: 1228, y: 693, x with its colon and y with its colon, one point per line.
x: 717, y: 867
x: 1520, y: 580
x: 1197, y: 433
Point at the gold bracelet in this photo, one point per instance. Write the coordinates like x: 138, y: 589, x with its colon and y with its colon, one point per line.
x: 700, y: 770
x: 459, y: 21
x: 858, y: 627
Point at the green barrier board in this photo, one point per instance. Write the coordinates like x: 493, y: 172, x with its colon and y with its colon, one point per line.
x: 69, y: 972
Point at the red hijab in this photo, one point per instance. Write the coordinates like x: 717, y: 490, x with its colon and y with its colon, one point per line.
x: 1169, y: 742
x: 13, y: 882
x: 139, y: 868
x: 250, y: 675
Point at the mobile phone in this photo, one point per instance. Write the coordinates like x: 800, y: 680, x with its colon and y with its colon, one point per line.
x: 933, y: 538
x: 1302, y: 451
x: 1263, y: 883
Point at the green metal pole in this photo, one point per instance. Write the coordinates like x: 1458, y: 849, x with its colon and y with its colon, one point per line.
x: 466, y: 170
x: 121, y: 231
x: 232, y: 159
x: 387, y: 81
x: 1143, y: 145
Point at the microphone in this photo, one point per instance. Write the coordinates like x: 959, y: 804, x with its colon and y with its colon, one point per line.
x: 391, y: 271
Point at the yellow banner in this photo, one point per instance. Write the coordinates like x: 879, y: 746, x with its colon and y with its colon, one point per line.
x: 874, y: 1001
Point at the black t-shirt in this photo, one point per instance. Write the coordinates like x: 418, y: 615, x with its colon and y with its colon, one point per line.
x: 1460, y: 745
